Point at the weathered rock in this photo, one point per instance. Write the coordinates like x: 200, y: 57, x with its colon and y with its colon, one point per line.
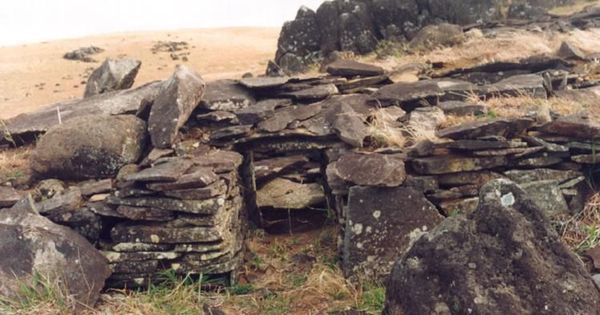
x: 272, y: 167
x: 577, y: 126
x: 591, y: 159
x: 468, y: 264
x: 348, y: 125
x: 518, y: 85
x: 61, y: 205
x: 264, y: 82
x: 83, y: 54
x: 285, y: 194
x: 425, y: 118
x: 314, y: 93
x: 196, y: 178
x: 261, y: 110
x: 156, y: 234
x: 507, y: 128
x: 451, y: 164
x: 40, y: 247
x: 145, y: 214
x: 371, y: 169
x: 407, y: 94
x: 436, y: 36
x: 351, y: 68
x: 217, y: 189
x: 546, y: 194
x: 169, y: 171
x: 8, y: 197
x: 476, y: 145
x: 298, y: 41
x: 568, y: 50
x: 459, y: 108
x: 230, y: 133
x: 173, y: 106
x: 94, y: 187
x: 460, y: 206
x: 218, y: 117
x: 540, y: 174
x: 285, y: 116
x: 468, y: 178
x: 89, y: 147
x: 226, y: 95
x: 112, y: 75
x: 113, y: 103
x: 208, y: 206
x: 381, y: 223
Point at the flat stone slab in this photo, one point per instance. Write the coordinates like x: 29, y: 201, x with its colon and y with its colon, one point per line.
x: 282, y: 118
x: 528, y: 84
x: 527, y: 176
x: 285, y: 194
x: 145, y: 214
x: 261, y: 110
x: 507, y: 128
x: 198, y: 177
x: 208, y: 206
x: 216, y: 189
x: 380, y: 225
x: 401, y: 93
x: 451, y: 164
x: 112, y: 103
x: 574, y: 126
x: 8, y: 197
x: 268, y: 168
x: 314, y: 93
x: 226, y: 95
x: 165, y: 172
x: 156, y: 234
x: 371, y: 169
x: 264, y: 82
x: 459, y: 108
x: 351, y: 68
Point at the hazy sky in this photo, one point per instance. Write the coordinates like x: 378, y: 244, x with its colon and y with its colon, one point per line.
x: 23, y: 21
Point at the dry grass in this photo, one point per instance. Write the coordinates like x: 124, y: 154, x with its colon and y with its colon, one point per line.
x: 287, y: 274
x: 385, y: 131
x: 14, y: 164
x: 573, y: 8
x: 582, y: 231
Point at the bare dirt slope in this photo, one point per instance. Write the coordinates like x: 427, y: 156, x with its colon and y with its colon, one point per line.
x: 36, y: 74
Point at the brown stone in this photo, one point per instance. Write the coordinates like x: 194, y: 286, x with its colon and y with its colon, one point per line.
x: 351, y: 68
x: 452, y: 164
x: 507, y: 128
x: 371, y: 169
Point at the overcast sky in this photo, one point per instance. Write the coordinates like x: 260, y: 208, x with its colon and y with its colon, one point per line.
x: 26, y: 21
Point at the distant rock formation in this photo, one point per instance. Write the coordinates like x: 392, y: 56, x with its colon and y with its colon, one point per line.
x: 358, y: 25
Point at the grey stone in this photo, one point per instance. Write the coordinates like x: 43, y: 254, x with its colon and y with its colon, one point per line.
x: 164, y: 172
x: 83, y: 54
x: 112, y: 75
x: 156, y: 234
x: 208, y: 206
x: 381, y: 223
x: 196, y: 178
x: 264, y: 82
x: 546, y: 194
x: 40, y: 247
x: 94, y: 187
x: 404, y: 94
x: 507, y: 128
x: 112, y: 103
x: 285, y: 194
x: 177, y: 99
x: 261, y: 110
x: 518, y: 85
x: 8, y: 197
x: 459, y: 108
x: 226, y: 95
x: 451, y: 164
x: 506, y: 245
x: 371, y: 169
x: 314, y: 93
x: 89, y: 147
x: 213, y: 190
x: 351, y: 68
x: 540, y: 174
x: 145, y: 214
x: 285, y: 116
x: 576, y: 126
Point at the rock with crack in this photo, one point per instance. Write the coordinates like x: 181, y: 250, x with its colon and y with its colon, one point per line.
x: 173, y: 106
x: 285, y: 194
x: 89, y: 147
x: 381, y: 224
x: 112, y: 75
x: 492, y: 261
x: 39, y: 247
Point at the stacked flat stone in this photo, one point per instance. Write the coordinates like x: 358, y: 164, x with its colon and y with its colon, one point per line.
x: 182, y: 213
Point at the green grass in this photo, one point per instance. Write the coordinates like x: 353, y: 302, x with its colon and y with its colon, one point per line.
x: 372, y: 300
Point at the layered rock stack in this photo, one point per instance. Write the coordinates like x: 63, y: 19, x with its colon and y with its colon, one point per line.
x: 182, y: 214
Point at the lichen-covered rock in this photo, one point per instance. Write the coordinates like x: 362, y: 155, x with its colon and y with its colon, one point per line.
x: 370, y: 169
x: 89, y: 147
x: 380, y: 225
x: 112, y: 75
x: 504, y: 258
x: 226, y: 95
x: 33, y: 247
x: 178, y: 98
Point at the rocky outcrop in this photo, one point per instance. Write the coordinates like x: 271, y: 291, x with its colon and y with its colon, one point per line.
x: 358, y: 25
x: 83, y: 54
x: 35, y: 247
x: 89, y: 147
x: 504, y: 258
x: 112, y: 75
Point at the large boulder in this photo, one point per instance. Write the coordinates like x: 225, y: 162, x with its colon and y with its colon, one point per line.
x: 298, y: 41
x: 112, y: 75
x: 503, y: 258
x: 35, y: 247
x: 93, y: 146
x: 178, y: 98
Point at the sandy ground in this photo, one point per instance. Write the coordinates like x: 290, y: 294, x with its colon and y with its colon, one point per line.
x: 34, y: 75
